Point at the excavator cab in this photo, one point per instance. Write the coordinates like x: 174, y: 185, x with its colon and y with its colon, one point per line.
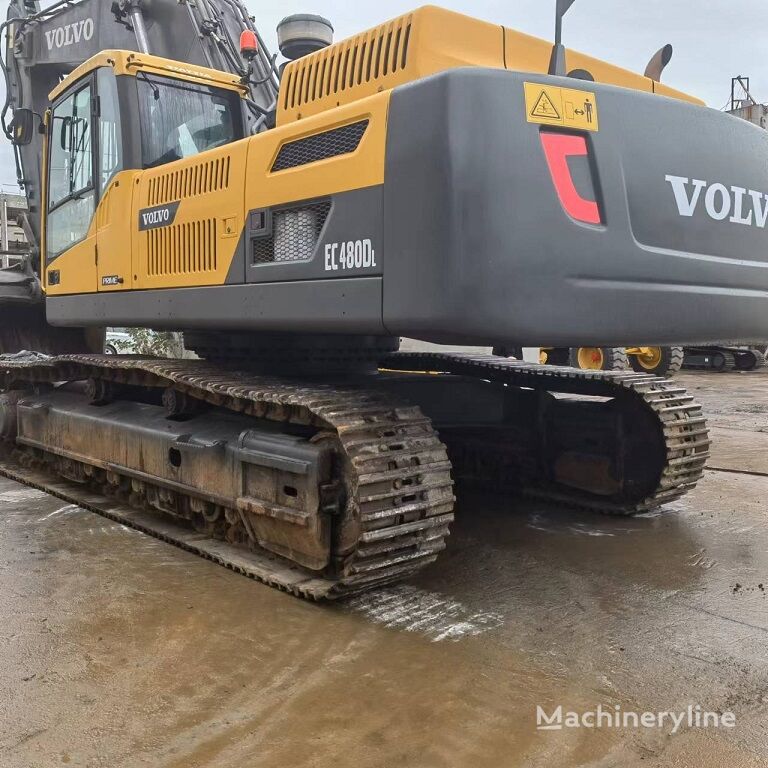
x: 107, y: 123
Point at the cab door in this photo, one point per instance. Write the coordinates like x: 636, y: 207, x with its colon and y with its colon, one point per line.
x: 70, y: 236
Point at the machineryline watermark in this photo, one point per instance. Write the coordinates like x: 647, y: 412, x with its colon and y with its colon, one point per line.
x: 694, y: 716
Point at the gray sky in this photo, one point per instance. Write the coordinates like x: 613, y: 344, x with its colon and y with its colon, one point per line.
x: 713, y: 39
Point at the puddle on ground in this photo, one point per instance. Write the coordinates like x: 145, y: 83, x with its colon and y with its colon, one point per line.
x: 436, y: 616
x: 22, y: 493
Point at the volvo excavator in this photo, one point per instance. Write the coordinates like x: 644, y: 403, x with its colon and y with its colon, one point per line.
x: 436, y: 177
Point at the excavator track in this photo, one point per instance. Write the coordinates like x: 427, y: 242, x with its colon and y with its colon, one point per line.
x: 385, y: 443
x: 683, y: 445
x: 394, y: 470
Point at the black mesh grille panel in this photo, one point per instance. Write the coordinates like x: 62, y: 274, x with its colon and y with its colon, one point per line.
x: 295, y: 232
x: 339, y: 141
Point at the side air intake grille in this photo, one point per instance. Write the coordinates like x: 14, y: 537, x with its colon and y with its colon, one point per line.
x: 333, y: 143
x: 182, y: 249
x: 210, y: 176
x: 102, y: 212
x: 369, y: 56
x: 295, y: 232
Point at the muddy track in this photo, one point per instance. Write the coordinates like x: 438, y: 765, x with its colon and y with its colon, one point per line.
x: 394, y: 469
x: 683, y: 445
x: 393, y: 476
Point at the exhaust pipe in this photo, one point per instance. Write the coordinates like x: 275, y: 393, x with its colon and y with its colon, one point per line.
x: 658, y: 63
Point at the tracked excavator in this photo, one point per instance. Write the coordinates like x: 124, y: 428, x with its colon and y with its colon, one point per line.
x: 436, y: 177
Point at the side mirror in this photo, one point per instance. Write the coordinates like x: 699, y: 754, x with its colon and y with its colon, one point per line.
x: 23, y: 126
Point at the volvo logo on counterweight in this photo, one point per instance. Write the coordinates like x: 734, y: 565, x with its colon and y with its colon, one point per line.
x: 159, y: 216
x: 738, y: 205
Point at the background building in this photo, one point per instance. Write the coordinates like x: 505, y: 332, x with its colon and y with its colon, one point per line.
x: 13, y: 243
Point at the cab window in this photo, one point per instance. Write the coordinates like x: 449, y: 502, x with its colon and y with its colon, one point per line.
x: 71, y: 194
x: 181, y: 119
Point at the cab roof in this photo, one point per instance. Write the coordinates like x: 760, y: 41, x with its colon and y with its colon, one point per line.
x: 131, y: 62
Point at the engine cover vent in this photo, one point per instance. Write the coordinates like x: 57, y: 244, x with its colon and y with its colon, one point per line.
x: 294, y: 234
x: 182, y: 249
x: 349, y: 65
x: 193, y: 180
x: 320, y: 146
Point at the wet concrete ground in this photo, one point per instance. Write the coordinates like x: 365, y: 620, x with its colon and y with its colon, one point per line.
x: 119, y: 650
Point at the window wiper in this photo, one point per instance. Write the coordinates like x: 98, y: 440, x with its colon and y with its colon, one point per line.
x: 155, y: 90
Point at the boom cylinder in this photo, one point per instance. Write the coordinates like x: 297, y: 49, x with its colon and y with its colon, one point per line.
x: 137, y: 22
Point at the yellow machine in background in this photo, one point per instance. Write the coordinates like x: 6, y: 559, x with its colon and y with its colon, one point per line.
x: 660, y: 361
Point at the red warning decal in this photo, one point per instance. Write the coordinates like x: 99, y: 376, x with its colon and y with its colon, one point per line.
x: 558, y: 147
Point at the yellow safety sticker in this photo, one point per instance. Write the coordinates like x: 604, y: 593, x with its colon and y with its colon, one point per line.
x: 549, y: 105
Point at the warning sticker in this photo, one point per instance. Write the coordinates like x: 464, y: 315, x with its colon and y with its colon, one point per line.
x: 549, y: 105
x: 545, y: 108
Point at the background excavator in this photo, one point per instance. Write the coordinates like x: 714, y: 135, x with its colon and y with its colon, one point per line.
x: 436, y: 177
